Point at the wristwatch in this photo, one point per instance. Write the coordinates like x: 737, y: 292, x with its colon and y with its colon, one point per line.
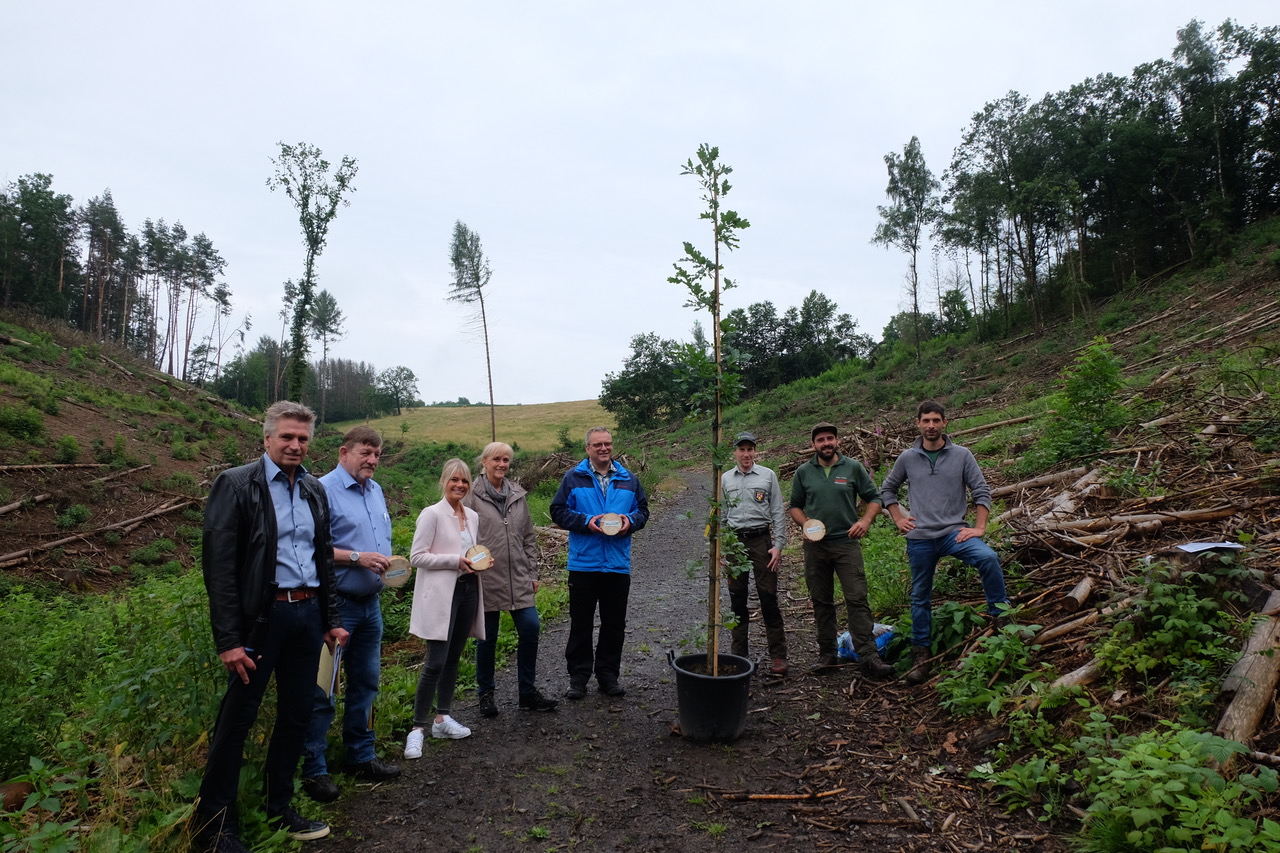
x: 355, y: 556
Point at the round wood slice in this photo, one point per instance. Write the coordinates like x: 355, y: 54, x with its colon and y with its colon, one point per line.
x: 610, y: 523
x: 814, y: 530
x: 398, y: 573
x: 480, y: 557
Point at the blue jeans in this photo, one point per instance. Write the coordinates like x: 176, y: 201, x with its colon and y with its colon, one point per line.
x: 923, y: 555
x: 528, y: 628
x: 362, y: 665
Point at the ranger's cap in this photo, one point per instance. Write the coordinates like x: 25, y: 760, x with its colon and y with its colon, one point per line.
x: 823, y: 427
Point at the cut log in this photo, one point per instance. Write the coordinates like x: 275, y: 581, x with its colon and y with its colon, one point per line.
x: 1079, y: 594
x: 44, y: 466
x: 1066, y: 502
x: 1144, y: 528
x: 1106, y: 521
x: 1037, y: 482
x: 18, y: 556
x: 995, y: 425
x: 1086, y: 674
x: 1062, y: 628
x: 1252, y: 681
x: 1019, y: 510
x: 39, y: 499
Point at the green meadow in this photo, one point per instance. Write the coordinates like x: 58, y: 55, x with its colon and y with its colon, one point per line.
x: 534, y: 428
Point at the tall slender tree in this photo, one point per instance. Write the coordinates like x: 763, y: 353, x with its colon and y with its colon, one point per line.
x: 914, y: 204
x: 471, y: 275
x: 304, y: 176
x: 703, y: 278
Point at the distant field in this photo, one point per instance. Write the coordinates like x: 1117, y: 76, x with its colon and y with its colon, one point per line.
x: 534, y: 428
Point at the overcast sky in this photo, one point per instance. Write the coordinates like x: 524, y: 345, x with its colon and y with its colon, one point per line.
x: 555, y: 130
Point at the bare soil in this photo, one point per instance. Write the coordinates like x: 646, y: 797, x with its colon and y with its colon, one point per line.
x: 828, y: 761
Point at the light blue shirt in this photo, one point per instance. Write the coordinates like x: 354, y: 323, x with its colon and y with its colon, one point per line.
x: 359, y: 521
x: 295, y: 529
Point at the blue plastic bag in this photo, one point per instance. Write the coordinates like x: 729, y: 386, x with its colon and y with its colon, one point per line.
x: 844, y: 643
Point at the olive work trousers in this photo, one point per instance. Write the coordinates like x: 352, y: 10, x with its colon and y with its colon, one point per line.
x: 823, y: 562
x: 766, y: 589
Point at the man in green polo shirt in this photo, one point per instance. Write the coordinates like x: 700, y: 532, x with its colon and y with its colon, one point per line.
x: 827, y: 488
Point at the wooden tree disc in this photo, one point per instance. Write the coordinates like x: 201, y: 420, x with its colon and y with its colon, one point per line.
x: 480, y: 557
x: 398, y: 572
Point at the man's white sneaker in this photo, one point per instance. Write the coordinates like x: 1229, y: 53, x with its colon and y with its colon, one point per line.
x: 449, y: 728
x: 413, y: 744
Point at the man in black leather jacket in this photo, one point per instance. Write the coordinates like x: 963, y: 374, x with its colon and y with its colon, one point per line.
x: 268, y: 569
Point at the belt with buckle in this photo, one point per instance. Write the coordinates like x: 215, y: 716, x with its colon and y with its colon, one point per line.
x: 752, y: 532
x: 299, y: 594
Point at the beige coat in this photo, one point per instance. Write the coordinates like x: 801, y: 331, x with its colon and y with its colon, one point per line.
x: 508, y: 585
x: 435, y: 553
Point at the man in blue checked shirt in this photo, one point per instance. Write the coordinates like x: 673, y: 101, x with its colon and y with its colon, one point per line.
x: 361, y: 528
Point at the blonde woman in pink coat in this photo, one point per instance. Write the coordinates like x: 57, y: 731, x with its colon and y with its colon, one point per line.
x: 448, y: 605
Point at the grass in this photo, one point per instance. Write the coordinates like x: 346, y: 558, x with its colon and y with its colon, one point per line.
x: 533, y: 428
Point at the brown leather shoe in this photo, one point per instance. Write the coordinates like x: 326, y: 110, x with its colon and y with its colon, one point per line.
x: 826, y: 659
x: 779, y: 666
x: 875, y: 668
x: 922, y: 668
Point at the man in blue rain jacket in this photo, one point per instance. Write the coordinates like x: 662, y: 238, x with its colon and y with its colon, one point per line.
x: 599, y: 561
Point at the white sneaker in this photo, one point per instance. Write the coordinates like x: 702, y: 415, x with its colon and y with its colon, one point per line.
x: 413, y: 744
x: 450, y: 728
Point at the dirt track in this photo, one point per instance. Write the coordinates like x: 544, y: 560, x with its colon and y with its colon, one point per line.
x: 608, y: 774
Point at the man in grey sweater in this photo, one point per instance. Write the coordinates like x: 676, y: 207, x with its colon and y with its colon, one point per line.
x: 939, y: 472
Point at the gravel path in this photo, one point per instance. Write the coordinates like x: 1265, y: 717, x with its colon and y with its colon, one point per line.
x: 598, y: 774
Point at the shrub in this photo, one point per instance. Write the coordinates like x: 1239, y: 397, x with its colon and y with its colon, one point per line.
x: 67, y: 450
x: 1159, y: 791
x: 22, y: 422
x: 1178, y: 622
x: 997, y: 673
x: 73, y: 515
x: 153, y: 554
x: 1086, y: 407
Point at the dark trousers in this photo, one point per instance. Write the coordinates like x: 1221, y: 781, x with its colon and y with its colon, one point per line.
x: 824, y: 561
x: 588, y: 590
x: 438, y: 678
x: 289, y: 647
x: 528, y: 631
x: 767, y: 590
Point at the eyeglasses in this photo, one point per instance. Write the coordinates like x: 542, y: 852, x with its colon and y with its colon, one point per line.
x: 600, y: 444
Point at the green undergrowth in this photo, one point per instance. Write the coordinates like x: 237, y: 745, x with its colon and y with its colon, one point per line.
x: 1141, y: 786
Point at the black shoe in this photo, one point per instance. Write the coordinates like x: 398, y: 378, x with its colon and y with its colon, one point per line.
x: 213, y: 836
x: 488, y: 708
x: 226, y: 842
x: 612, y: 688
x: 826, y: 659
x: 320, y: 788
x: 535, y: 701
x: 576, y: 692
x: 372, y: 770
x: 298, y: 827
x: 875, y: 668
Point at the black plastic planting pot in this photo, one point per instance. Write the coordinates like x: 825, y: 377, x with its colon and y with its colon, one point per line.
x: 712, y: 708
